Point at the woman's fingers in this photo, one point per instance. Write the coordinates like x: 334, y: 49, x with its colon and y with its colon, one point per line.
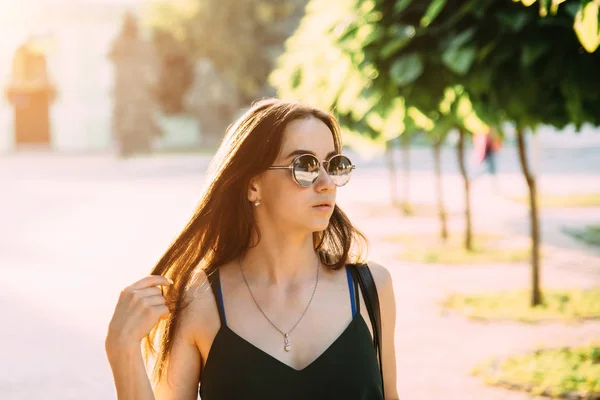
x: 149, y: 281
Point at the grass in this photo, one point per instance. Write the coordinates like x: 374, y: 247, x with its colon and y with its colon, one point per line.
x: 566, y: 305
x: 572, y: 373
x: 487, y: 248
x: 590, y: 234
x: 573, y: 200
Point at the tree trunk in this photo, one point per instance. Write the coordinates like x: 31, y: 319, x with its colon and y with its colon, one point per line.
x: 536, y: 295
x: 460, y: 146
x: 440, y: 190
x: 405, y: 140
x: 389, y: 152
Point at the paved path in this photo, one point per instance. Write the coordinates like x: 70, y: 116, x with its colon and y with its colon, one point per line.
x: 75, y: 230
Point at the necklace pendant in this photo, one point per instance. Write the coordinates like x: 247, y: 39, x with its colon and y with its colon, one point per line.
x: 286, y: 341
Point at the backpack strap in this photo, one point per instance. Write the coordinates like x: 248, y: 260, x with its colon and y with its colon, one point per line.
x: 215, y: 284
x: 362, y: 274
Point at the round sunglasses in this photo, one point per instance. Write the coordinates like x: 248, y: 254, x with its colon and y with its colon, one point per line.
x: 306, y: 168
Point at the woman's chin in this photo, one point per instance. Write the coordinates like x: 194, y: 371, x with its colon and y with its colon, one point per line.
x: 319, y: 226
x: 316, y: 223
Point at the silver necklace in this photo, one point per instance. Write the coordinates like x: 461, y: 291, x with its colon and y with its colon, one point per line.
x: 286, y: 335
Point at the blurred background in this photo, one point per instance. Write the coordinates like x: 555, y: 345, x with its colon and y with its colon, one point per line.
x: 474, y: 125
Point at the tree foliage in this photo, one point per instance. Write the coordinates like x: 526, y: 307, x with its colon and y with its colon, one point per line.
x: 452, y: 63
x: 239, y: 37
x: 368, y: 59
x: 586, y: 18
x: 316, y: 70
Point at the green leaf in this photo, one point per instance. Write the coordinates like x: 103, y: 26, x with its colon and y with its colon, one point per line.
x: 459, y: 60
x: 571, y: 8
x: 402, y: 31
x: 420, y: 120
x: 434, y: 9
x: 401, y: 5
x: 460, y: 39
x: 296, y: 78
x: 514, y: 21
x: 586, y: 26
x: 554, y: 6
x: 373, y: 36
x: 406, y: 69
x: 394, y: 122
x: 486, y: 50
x: 366, y: 6
x: 544, y: 7
x: 348, y: 33
x: 532, y: 51
x: 393, y: 46
x: 402, y: 35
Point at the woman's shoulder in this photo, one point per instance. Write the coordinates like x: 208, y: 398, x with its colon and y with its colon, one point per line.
x: 382, y: 277
x: 385, y: 290
x: 199, y: 317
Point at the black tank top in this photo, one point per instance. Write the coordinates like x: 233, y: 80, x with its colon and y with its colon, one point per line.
x: 236, y: 369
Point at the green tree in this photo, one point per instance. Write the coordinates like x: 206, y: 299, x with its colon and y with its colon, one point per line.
x: 502, y: 62
x: 316, y: 69
x: 437, y: 133
x: 241, y: 38
x: 404, y: 141
x: 395, y: 40
x: 547, y: 78
x: 538, y: 82
x: 313, y: 69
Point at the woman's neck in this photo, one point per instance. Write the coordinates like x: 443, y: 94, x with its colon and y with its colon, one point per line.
x: 281, y: 260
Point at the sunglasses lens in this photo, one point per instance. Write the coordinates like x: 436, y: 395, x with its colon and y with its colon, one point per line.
x: 306, y: 170
x: 340, y: 169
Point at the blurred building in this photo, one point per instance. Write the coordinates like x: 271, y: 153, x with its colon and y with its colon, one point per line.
x: 75, y: 42
x: 75, y: 37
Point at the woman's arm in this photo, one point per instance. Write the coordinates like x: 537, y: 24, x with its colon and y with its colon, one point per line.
x: 127, y: 363
x: 183, y: 372
x: 180, y: 382
x: 185, y: 361
x: 129, y: 372
x: 387, y: 304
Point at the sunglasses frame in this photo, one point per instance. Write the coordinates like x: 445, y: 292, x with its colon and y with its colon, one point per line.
x: 324, y: 164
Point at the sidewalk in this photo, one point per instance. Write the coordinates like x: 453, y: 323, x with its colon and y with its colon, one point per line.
x: 78, y: 229
x: 435, y: 351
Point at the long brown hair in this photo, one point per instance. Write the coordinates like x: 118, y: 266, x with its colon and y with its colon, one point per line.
x: 221, y: 228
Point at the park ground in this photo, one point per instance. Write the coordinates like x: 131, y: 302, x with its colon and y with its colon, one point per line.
x: 76, y: 229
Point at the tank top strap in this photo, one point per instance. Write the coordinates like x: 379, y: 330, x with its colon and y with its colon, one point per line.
x: 353, y: 289
x: 215, y: 285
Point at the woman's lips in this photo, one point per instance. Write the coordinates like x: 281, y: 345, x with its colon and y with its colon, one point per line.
x: 322, y: 207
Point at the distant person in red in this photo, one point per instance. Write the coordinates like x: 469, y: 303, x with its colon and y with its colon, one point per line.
x: 486, y: 147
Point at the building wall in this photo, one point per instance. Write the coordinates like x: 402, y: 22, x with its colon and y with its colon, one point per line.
x: 80, y: 37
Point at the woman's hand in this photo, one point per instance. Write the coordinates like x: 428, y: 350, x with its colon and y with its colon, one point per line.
x: 140, y: 306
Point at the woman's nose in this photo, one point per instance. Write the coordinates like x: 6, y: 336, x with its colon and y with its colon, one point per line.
x: 324, y: 181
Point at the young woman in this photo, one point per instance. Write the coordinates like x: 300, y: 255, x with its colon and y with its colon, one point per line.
x: 253, y: 299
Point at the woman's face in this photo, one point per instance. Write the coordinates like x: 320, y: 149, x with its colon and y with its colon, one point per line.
x: 286, y: 204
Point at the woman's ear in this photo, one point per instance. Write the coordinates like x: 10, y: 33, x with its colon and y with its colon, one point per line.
x: 254, y: 189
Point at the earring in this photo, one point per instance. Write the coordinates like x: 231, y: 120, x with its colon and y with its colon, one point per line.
x: 257, y: 203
